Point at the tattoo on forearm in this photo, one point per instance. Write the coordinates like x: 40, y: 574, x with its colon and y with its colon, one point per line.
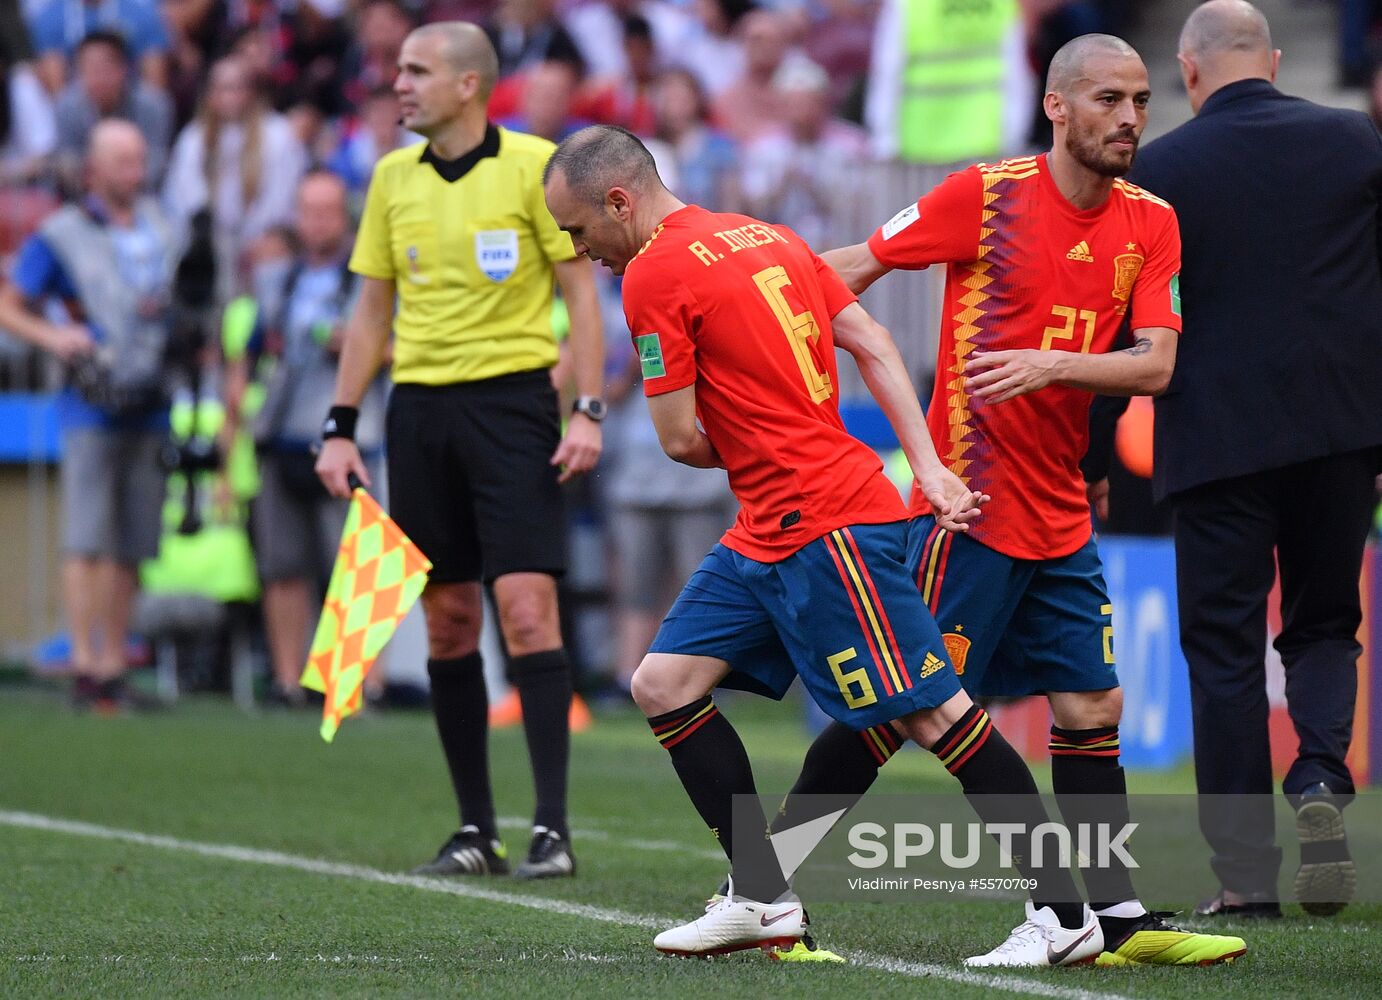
x: 1141, y: 346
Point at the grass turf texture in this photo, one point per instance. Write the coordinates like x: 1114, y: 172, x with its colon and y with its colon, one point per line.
x: 101, y: 917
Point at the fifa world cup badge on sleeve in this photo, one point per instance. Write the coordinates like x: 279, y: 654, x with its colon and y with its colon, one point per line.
x: 901, y: 221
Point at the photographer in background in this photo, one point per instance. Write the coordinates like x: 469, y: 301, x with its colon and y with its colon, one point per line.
x: 303, y: 305
x: 109, y: 259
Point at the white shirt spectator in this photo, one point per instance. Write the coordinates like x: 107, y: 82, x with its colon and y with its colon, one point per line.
x: 33, y: 132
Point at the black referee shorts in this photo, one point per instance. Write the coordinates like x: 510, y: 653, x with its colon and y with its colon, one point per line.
x: 469, y: 479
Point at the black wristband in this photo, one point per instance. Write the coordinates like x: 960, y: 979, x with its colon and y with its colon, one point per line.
x: 340, y: 423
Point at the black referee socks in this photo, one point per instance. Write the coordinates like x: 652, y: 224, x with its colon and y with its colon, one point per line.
x: 460, y: 705
x: 543, y: 681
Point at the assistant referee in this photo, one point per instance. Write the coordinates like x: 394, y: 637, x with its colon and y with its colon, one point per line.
x: 455, y: 230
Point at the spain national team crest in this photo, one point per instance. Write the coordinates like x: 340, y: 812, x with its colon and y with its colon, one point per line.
x: 1126, y: 268
x: 957, y: 648
x: 496, y: 251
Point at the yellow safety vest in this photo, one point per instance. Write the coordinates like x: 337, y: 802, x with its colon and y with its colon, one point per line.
x: 952, y: 99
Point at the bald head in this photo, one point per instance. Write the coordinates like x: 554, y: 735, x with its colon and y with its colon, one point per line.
x: 466, y: 49
x: 1225, y: 26
x: 601, y: 157
x: 1071, y: 63
x: 1224, y: 41
x: 115, y: 156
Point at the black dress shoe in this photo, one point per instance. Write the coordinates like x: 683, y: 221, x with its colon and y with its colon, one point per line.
x: 1327, y: 877
x: 1240, y: 905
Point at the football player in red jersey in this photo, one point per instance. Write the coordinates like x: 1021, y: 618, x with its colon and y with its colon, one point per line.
x: 735, y: 324
x: 1046, y: 256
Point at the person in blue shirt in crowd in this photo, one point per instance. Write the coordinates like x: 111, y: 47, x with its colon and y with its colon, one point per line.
x: 57, y: 27
x: 109, y: 259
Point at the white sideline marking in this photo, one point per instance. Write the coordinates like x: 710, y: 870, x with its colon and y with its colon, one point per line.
x: 317, y: 866
x: 668, y: 846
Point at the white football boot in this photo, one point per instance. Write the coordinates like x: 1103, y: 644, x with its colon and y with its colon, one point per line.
x: 1040, y: 941
x: 733, y: 923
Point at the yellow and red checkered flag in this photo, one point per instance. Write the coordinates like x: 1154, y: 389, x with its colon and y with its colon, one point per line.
x: 378, y: 575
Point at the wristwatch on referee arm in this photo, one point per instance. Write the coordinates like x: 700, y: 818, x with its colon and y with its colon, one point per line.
x: 591, y: 406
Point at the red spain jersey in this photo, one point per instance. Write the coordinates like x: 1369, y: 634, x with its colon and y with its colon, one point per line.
x: 1026, y: 269
x: 742, y: 310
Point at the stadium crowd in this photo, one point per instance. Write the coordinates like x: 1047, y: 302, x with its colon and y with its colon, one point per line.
x: 264, y: 118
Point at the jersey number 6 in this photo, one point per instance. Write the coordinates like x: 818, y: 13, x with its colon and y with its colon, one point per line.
x: 800, y: 328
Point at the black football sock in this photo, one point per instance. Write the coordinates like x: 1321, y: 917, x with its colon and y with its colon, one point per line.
x: 713, y: 766
x: 1000, y: 788
x: 1091, y: 789
x: 543, y: 681
x: 840, y: 763
x: 460, y: 705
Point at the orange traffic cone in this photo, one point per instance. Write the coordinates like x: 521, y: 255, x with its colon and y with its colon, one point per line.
x: 509, y: 712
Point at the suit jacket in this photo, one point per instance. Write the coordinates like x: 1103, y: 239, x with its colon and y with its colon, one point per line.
x: 1279, y: 202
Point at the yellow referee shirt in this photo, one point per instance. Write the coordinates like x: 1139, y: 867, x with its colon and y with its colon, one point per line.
x: 471, y: 259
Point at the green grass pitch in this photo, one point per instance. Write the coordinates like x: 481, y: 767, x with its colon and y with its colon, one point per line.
x: 202, y: 852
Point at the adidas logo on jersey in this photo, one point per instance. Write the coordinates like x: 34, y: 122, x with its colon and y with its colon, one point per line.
x: 931, y: 664
x: 1080, y: 251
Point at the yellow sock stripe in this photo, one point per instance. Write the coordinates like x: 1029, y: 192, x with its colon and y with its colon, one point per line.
x: 863, y: 593
x: 878, y: 742
x: 932, y: 561
x: 664, y: 737
x: 974, y: 731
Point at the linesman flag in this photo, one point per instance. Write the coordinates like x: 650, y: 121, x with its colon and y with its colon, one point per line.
x: 378, y: 575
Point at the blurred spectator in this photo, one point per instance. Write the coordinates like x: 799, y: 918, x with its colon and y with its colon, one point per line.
x: 839, y: 39
x: 14, y: 34
x: 713, y: 49
x: 198, y: 32
x: 297, y: 524
x: 111, y: 254
x: 239, y: 159
x: 371, y: 134
x: 372, y: 60
x: 950, y: 82
x: 794, y: 173
x: 527, y: 32
x: 706, y: 159
x: 105, y: 87
x: 626, y: 99
x: 549, y: 94
x: 601, y: 32
x: 58, y: 26
x: 308, y: 65
x: 752, y: 104
x: 28, y: 133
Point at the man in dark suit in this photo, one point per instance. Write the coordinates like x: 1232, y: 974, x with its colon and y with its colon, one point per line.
x: 1267, y: 440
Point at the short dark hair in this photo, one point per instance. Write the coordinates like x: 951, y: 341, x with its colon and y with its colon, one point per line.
x: 600, y: 157
x: 104, y: 36
x: 636, y: 26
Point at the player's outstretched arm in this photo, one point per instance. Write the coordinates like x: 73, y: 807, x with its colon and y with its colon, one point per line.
x: 871, y: 345
x: 674, y: 416
x: 362, y: 352
x: 580, y: 447
x: 856, y: 265
x: 1144, y: 369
